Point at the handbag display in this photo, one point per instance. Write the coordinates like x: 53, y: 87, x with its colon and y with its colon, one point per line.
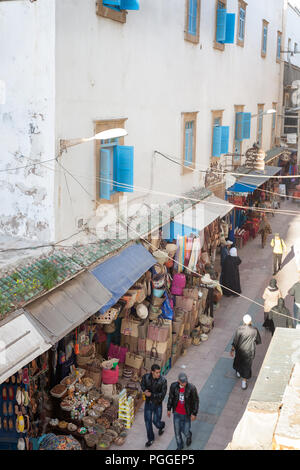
x: 134, y: 360
x: 117, y: 351
x: 110, y: 376
x: 153, y: 358
x: 129, y: 327
x: 185, y: 303
x: 131, y: 342
x: 143, y: 328
x: 108, y: 390
x: 158, y: 331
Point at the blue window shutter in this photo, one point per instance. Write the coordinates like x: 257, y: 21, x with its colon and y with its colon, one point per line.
x: 239, y: 127
x: 264, y: 48
x: 242, y: 24
x: 217, y: 136
x: 221, y: 25
x: 192, y: 26
x: 246, y: 125
x: 188, y: 154
x: 130, y: 4
x: 230, y: 25
x: 124, y: 168
x: 278, y: 47
x: 224, y: 139
x: 105, y: 174
x: 112, y: 3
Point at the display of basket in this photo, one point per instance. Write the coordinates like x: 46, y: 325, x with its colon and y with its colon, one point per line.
x: 88, y: 421
x: 72, y: 427
x: 62, y: 425
x: 86, y: 355
x: 88, y: 383
x: 91, y: 440
x: 109, y: 316
x: 157, y: 301
x: 160, y: 256
x: 58, y: 391
x: 68, y: 381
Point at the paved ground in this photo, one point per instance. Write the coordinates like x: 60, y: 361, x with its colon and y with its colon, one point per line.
x: 209, y: 365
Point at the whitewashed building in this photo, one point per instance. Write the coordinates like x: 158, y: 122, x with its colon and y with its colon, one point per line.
x: 173, y: 73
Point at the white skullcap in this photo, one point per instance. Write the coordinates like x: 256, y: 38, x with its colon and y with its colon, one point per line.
x: 247, y: 319
x: 233, y: 252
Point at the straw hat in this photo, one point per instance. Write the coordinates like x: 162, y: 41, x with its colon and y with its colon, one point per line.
x: 207, y: 279
x: 171, y: 249
x: 142, y: 311
x: 160, y: 256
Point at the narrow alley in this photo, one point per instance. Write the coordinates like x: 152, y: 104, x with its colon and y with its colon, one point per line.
x: 209, y: 365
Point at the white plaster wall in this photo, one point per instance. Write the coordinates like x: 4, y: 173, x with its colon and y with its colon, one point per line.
x: 293, y: 32
x: 145, y: 71
x: 27, y: 36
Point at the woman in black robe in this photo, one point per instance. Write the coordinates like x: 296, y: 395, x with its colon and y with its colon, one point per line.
x: 244, y: 345
x: 230, y: 274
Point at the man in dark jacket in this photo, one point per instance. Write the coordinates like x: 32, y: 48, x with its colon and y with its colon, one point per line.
x: 184, y: 401
x: 154, y: 387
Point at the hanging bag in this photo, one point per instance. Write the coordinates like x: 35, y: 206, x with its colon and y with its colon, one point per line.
x: 117, y: 351
x: 134, y: 360
x: 153, y: 358
x: 143, y: 328
x: 167, y: 310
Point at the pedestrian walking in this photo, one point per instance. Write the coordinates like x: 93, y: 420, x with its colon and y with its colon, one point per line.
x: 264, y: 230
x: 243, y: 349
x: 295, y: 292
x: 280, y: 316
x: 231, y: 275
x: 184, y: 401
x: 279, y: 247
x: 154, y: 386
x: 271, y: 296
x: 225, y: 247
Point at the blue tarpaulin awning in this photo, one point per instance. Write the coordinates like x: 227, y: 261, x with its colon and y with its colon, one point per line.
x: 120, y: 272
x: 248, y: 184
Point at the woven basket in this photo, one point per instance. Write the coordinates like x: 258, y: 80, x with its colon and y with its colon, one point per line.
x: 91, y: 440
x: 108, y: 317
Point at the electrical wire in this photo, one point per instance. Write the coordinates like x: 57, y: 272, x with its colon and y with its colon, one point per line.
x: 223, y: 172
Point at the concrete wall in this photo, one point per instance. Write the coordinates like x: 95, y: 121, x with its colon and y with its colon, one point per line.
x: 145, y: 71
x: 27, y: 38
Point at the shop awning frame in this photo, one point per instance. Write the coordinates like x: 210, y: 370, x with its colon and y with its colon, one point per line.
x: 248, y: 184
x: 67, y: 307
x: 121, y: 271
x: 21, y: 341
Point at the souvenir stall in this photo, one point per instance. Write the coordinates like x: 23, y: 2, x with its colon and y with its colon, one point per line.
x: 24, y: 405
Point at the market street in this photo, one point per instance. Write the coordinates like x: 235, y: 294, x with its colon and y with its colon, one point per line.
x: 209, y: 365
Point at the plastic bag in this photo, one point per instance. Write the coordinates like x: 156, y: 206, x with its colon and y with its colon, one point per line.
x: 167, y: 310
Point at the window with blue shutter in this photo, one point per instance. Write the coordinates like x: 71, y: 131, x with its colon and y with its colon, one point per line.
x: 122, y: 4
x: 217, y: 137
x: 239, y: 127
x: 123, y: 168
x: 130, y: 4
x: 192, y: 26
x: 224, y: 139
x: 278, y: 46
x: 105, y: 174
x: 220, y: 140
x: 242, y: 126
x: 230, y: 26
x: 188, y: 147
x: 225, y: 26
x: 242, y: 15
x: 246, y: 125
x: 221, y: 24
x: 265, y: 34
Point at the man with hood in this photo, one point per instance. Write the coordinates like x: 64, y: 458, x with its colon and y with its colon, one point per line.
x: 243, y: 349
x: 184, y: 401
